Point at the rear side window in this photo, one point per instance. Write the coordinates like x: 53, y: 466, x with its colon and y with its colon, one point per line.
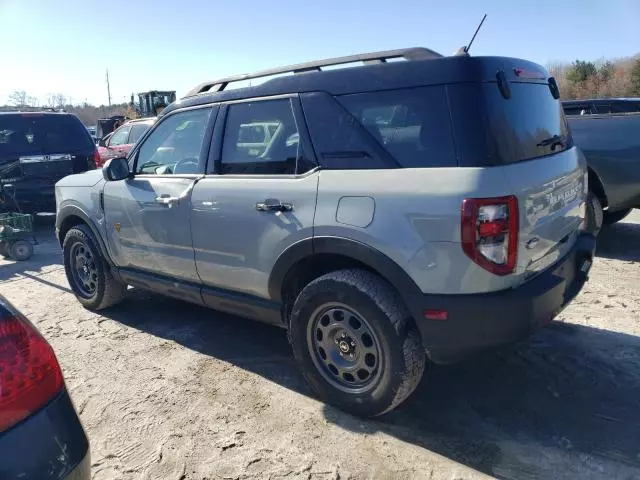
x: 411, y: 124
x: 491, y: 130
x: 31, y: 134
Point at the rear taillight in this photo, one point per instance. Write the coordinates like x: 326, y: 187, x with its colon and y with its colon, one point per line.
x: 489, y: 233
x: 29, y: 372
x: 96, y: 159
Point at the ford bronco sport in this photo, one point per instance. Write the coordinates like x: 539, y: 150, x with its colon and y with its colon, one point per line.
x: 426, y: 205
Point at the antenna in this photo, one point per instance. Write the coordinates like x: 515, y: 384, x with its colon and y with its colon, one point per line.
x: 466, y: 49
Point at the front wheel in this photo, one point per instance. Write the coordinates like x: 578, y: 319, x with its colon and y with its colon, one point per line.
x: 356, y: 343
x: 614, y: 217
x: 87, y: 272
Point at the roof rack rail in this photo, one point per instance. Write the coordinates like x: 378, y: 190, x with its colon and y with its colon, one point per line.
x: 416, y: 53
x: 29, y: 109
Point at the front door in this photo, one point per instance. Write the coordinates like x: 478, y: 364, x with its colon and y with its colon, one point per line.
x: 148, y: 216
x: 258, y: 202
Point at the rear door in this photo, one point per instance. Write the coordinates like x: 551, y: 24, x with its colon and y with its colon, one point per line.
x: 531, y: 144
x: 256, y: 203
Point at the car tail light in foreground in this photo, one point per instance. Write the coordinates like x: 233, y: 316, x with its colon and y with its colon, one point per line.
x: 490, y: 232
x: 29, y: 372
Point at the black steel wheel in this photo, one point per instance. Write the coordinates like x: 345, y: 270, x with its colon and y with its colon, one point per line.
x: 344, y: 348
x: 87, y: 271
x: 84, y: 272
x: 356, y: 343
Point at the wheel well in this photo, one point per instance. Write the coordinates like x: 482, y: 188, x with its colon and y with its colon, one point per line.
x: 67, y: 224
x: 595, y: 186
x: 308, y: 269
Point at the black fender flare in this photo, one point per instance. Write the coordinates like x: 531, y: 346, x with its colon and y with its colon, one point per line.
x: 365, y: 254
x: 73, y: 210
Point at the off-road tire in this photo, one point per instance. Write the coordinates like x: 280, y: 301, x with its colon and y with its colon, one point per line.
x: 614, y: 217
x: 109, y: 291
x: 403, y: 356
x: 595, y: 214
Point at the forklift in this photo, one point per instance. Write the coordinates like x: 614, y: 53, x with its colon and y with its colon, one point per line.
x: 144, y: 107
x: 149, y: 101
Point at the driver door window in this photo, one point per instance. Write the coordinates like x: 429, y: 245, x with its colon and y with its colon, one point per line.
x: 119, y: 137
x: 174, y: 146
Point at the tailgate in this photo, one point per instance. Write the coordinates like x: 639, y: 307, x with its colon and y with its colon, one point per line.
x: 551, y: 191
x: 53, y: 166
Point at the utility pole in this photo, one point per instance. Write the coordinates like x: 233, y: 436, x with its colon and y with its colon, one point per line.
x: 108, y: 88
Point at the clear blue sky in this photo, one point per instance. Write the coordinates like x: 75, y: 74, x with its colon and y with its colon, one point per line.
x: 65, y: 46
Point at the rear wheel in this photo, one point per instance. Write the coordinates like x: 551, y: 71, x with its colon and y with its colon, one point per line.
x: 614, y: 217
x: 87, y: 272
x: 356, y: 343
x: 595, y: 214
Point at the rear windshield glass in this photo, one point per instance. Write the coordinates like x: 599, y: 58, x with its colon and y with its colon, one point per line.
x: 31, y: 134
x: 492, y: 130
x: 411, y: 124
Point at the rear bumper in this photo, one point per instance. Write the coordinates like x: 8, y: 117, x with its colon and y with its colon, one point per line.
x: 51, y: 444
x: 37, y: 197
x: 479, y: 321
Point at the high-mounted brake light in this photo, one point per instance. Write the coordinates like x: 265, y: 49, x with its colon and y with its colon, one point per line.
x: 489, y: 232
x: 530, y: 74
x: 29, y: 372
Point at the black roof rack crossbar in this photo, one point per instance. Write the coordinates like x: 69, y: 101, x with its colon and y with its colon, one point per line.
x: 417, y: 53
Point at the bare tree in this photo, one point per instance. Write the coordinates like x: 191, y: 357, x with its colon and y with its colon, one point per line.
x: 51, y: 100
x: 18, y: 98
x: 59, y: 100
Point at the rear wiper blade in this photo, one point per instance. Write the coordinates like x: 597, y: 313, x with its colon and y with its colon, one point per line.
x: 553, y: 141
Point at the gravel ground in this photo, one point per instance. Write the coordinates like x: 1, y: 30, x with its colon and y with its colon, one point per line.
x: 171, y: 391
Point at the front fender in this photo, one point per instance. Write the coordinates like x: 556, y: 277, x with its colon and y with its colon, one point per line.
x: 70, y: 215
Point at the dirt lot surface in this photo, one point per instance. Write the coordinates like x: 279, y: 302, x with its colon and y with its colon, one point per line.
x: 171, y: 391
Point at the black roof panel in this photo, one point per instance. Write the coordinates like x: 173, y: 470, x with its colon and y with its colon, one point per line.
x: 380, y: 76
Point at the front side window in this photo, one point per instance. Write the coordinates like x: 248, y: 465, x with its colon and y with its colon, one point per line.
x: 263, y: 138
x: 174, y: 145
x: 120, y: 136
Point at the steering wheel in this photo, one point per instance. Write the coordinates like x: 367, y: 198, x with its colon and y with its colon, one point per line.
x: 192, y: 162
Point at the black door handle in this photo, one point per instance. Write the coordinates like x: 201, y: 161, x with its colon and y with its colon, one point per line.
x: 271, y: 205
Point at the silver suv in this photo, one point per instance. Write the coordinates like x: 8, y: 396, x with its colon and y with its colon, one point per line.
x: 429, y: 205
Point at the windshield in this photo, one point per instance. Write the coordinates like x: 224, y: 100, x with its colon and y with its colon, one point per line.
x: 34, y: 134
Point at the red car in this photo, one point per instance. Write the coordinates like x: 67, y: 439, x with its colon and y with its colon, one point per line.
x: 120, y: 142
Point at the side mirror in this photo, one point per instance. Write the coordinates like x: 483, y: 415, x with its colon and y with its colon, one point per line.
x: 116, y: 169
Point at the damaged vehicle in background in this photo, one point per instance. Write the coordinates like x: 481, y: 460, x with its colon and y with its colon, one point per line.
x: 607, y: 130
